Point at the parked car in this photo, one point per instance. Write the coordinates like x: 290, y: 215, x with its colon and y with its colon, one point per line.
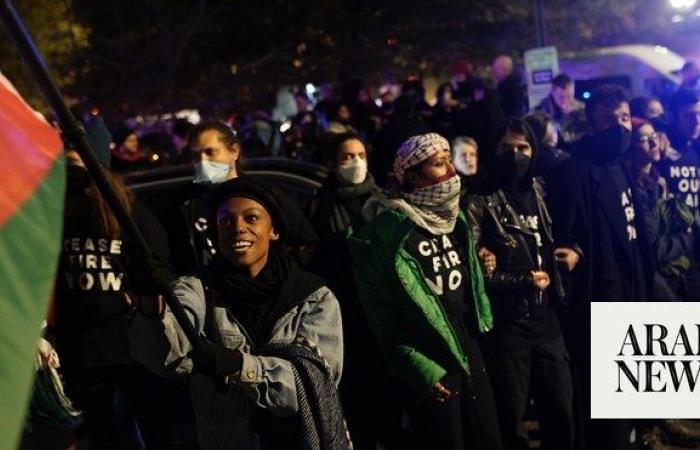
x: 160, y: 188
x: 165, y: 189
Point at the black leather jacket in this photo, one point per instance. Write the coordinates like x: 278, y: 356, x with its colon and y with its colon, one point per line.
x: 496, y: 225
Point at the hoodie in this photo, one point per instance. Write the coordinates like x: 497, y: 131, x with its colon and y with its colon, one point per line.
x: 517, y: 228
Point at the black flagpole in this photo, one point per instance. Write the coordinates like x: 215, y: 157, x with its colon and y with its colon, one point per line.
x: 76, y: 134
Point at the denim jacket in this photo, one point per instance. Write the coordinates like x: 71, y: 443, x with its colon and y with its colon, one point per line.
x: 224, y: 414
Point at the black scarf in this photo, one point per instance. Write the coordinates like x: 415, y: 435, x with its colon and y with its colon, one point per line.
x: 258, y: 303
x: 346, y: 191
x: 340, y: 199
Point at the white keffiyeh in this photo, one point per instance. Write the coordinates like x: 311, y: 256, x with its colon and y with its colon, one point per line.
x: 417, y: 149
x: 434, y: 208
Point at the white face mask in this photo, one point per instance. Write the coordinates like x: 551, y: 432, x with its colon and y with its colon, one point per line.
x: 353, y: 171
x: 209, y: 172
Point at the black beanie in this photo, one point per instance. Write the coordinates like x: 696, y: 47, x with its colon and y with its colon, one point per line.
x: 250, y: 188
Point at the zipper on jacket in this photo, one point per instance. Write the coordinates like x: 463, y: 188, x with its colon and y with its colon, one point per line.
x: 509, y: 208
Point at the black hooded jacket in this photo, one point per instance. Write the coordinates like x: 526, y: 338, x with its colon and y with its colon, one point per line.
x: 515, y: 225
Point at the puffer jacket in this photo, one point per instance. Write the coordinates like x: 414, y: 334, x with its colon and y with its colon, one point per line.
x: 223, y: 413
x: 418, y: 342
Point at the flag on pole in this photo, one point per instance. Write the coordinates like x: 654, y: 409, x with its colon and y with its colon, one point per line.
x: 32, y: 183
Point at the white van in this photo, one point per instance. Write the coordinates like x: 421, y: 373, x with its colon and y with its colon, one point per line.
x: 643, y: 69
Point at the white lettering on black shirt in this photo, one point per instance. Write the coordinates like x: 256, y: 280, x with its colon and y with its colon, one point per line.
x: 90, y: 264
x: 628, y: 208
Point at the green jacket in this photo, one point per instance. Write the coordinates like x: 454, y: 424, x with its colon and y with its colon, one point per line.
x: 416, y: 337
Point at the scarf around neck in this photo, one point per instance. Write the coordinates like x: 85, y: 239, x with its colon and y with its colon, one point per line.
x: 258, y: 303
x: 345, y: 191
x: 434, y: 208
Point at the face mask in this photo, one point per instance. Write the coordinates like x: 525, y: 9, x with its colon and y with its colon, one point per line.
x: 451, y: 172
x: 522, y: 165
x: 512, y: 166
x: 77, y: 178
x: 445, y: 192
x: 354, y: 172
x: 611, y: 143
x: 208, y: 172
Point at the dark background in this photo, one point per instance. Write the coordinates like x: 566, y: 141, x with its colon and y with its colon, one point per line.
x: 154, y: 56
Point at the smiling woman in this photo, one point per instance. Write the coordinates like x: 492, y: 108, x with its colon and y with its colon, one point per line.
x: 273, y: 335
x: 245, y: 233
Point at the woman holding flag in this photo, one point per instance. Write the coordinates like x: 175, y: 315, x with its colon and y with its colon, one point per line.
x: 267, y: 367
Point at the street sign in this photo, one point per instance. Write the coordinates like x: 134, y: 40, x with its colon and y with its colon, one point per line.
x: 541, y: 66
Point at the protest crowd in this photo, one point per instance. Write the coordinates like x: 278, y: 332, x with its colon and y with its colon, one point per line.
x: 434, y: 295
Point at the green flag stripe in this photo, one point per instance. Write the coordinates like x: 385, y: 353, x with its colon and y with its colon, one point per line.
x: 30, y: 244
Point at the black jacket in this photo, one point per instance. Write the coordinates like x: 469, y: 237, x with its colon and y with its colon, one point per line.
x: 496, y: 224
x: 336, y: 216
x: 667, y: 224
x: 587, y: 216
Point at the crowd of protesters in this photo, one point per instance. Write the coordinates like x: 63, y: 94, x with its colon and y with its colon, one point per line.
x: 436, y: 294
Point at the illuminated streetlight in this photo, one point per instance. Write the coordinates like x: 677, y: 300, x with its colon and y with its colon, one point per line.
x: 682, y: 4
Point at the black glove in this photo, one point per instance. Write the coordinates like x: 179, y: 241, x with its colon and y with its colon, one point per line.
x: 216, y: 360
x: 158, y: 272
x: 149, y: 275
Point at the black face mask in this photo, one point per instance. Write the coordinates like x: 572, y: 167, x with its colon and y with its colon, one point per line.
x: 512, y: 167
x: 611, y: 143
x: 77, y: 178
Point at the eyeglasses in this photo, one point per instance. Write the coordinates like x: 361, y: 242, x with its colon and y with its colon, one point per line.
x: 647, y: 138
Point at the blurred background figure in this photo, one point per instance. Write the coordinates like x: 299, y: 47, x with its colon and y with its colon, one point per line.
x: 465, y: 155
x: 126, y: 154
x: 181, y: 129
x: 509, y: 85
x: 668, y: 220
x: 647, y: 108
x: 690, y: 76
x: 565, y: 111
x: 443, y: 119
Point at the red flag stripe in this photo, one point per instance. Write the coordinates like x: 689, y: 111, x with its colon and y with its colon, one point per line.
x: 28, y: 148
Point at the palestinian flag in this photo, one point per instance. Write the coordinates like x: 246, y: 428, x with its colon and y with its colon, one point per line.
x: 32, y: 183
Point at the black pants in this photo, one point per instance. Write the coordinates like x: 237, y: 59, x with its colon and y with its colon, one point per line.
x: 468, y: 420
x: 370, y: 411
x: 543, y: 370
x: 94, y: 392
